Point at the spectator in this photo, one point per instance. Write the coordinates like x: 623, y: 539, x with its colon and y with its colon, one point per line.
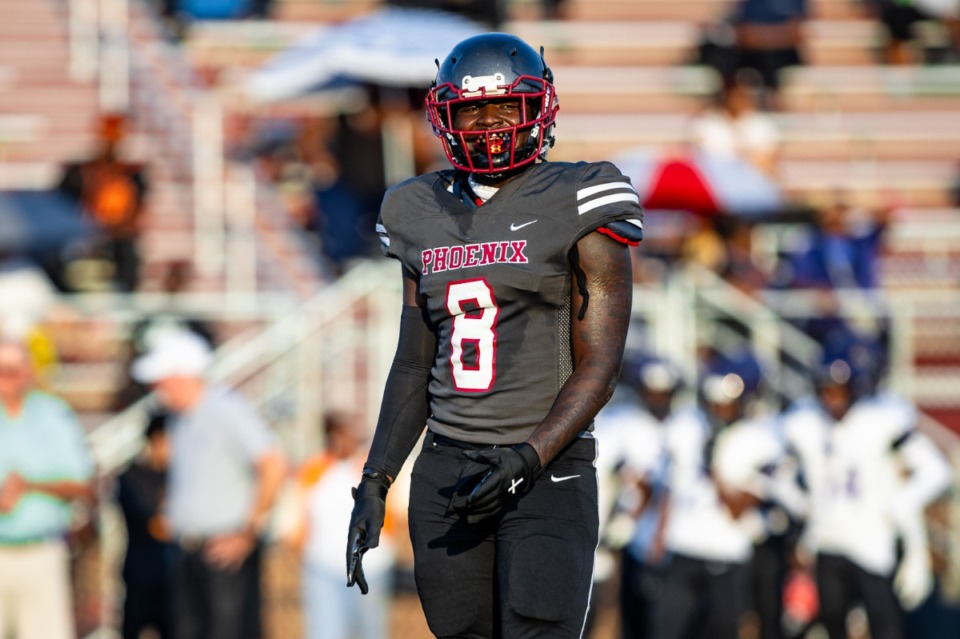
x: 899, y: 18
x: 869, y: 475
x: 225, y: 473
x: 349, y: 204
x: 149, y: 558
x: 45, y: 465
x: 112, y: 192
x: 735, y: 127
x: 769, y: 36
x: 324, y: 482
x: 170, y: 316
x: 840, y: 251
x: 740, y: 268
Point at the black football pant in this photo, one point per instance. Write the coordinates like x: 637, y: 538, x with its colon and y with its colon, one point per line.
x: 525, y: 573
x: 768, y: 572
x: 842, y: 584
x: 702, y: 599
x: 641, y: 586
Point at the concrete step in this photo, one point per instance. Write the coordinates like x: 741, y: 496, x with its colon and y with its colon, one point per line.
x: 629, y: 43
x: 805, y: 136
x: 842, y: 88
x: 55, y: 101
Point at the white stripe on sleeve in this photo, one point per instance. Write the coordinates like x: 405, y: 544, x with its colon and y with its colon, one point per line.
x: 608, y: 199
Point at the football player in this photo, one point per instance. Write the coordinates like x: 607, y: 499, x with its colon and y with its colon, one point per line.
x: 516, y: 302
x: 869, y: 474
x: 632, y: 466
x: 721, y: 462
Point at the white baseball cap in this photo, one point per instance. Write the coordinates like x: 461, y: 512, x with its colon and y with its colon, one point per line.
x: 171, y: 353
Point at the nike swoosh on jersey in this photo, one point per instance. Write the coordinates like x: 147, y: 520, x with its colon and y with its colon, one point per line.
x: 517, y: 227
x: 556, y: 479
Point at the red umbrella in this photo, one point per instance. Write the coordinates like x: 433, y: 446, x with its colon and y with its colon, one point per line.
x: 700, y: 183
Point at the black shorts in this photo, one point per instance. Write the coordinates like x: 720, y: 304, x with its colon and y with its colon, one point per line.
x: 525, y: 573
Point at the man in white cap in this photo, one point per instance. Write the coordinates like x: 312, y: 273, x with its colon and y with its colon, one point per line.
x: 225, y: 473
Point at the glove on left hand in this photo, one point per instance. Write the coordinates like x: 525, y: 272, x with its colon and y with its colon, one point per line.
x: 511, y: 474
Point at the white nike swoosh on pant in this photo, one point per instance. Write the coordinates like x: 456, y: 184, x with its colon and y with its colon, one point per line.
x: 556, y: 479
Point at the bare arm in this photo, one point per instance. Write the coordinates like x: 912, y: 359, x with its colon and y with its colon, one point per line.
x: 736, y: 501
x: 15, y: 486
x: 597, y: 342
x: 271, y: 472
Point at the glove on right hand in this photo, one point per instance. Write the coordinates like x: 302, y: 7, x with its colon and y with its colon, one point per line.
x: 366, y: 521
x: 511, y: 474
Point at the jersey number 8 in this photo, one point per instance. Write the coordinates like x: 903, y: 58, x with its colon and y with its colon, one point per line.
x: 474, y: 312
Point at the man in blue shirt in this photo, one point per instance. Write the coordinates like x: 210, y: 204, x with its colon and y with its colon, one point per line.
x: 44, y: 465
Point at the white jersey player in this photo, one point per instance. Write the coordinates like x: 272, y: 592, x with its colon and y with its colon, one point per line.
x: 631, y: 465
x: 869, y: 474
x: 720, y: 467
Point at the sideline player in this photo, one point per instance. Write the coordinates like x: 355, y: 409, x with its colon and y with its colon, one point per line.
x: 517, y: 295
x: 869, y: 474
x: 631, y: 434
x: 720, y: 466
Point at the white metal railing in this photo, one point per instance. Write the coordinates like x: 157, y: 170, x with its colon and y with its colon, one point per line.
x: 676, y: 317
x: 84, y: 35
x: 307, y: 347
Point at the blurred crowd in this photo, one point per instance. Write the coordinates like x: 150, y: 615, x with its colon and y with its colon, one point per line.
x: 731, y: 512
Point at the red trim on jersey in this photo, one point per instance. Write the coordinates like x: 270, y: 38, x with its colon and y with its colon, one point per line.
x: 615, y: 236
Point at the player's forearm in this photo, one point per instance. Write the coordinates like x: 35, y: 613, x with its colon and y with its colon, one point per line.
x: 579, y: 401
x: 597, y: 341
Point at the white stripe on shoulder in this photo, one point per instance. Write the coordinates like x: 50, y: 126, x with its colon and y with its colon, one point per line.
x: 384, y: 236
x: 608, y: 199
x: 599, y: 188
x: 638, y: 223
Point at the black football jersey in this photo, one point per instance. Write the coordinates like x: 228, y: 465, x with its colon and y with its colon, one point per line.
x: 497, y: 283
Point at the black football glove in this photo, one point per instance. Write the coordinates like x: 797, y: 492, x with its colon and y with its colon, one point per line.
x: 511, y: 474
x: 369, y: 510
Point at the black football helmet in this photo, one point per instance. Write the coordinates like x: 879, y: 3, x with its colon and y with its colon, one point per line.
x: 494, y: 66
